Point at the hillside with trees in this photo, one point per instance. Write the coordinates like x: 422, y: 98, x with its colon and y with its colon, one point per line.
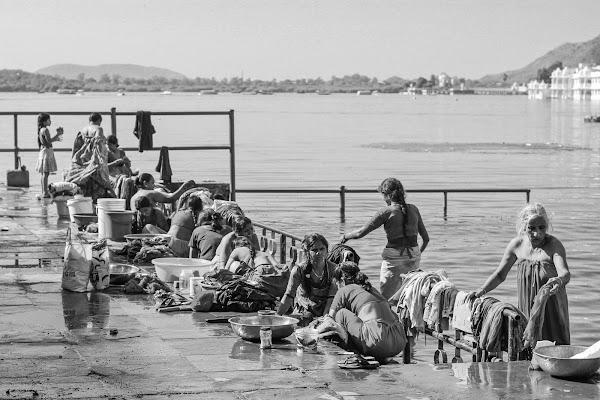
x: 568, y: 54
x: 80, y: 72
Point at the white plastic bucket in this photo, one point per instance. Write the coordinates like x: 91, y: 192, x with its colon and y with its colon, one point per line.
x: 61, y: 208
x: 103, y: 207
x: 81, y: 205
x: 118, y: 224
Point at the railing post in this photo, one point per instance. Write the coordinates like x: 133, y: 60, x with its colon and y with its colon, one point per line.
x: 527, y: 194
x: 343, y: 203
x: 512, y: 351
x: 282, y: 249
x: 232, y: 154
x: 16, y: 133
x: 445, y: 204
x: 113, y: 121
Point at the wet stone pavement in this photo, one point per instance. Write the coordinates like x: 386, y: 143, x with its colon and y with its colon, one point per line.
x: 58, y: 345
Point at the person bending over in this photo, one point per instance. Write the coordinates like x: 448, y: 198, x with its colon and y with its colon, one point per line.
x: 147, y: 187
x: 246, y: 256
x: 148, y: 219
x: 360, y: 315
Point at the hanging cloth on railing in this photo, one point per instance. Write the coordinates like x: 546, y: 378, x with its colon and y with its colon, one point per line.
x: 143, y: 130
x: 164, y: 166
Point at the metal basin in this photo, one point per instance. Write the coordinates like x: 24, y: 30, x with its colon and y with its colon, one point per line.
x: 248, y: 328
x: 556, y: 360
x: 120, y: 274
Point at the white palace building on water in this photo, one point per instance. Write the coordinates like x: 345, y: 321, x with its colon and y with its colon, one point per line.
x: 580, y: 83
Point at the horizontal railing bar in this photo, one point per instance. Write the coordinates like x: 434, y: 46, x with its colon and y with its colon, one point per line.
x: 117, y: 113
x: 374, y: 191
x: 277, y: 231
x: 176, y: 148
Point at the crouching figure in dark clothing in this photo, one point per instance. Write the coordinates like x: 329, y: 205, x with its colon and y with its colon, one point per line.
x: 360, y: 315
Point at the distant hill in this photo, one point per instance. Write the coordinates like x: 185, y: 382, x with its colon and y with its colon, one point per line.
x: 570, y: 54
x: 72, y: 71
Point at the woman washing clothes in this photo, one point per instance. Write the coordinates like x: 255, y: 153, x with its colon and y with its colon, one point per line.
x: 242, y: 227
x: 207, y: 236
x: 541, y: 262
x: 147, y: 187
x: 310, y: 288
x: 402, y: 222
x: 148, y: 219
x: 183, y: 223
x: 118, y: 162
x: 362, y: 317
x: 245, y: 256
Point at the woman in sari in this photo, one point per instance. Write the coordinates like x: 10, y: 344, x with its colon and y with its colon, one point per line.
x: 541, y: 262
x: 89, y: 167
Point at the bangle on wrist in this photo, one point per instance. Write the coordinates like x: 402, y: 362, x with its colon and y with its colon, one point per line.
x: 483, y: 291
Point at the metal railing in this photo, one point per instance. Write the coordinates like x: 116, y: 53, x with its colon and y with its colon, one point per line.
x: 113, y: 128
x: 343, y: 190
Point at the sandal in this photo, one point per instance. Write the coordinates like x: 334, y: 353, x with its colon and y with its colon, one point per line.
x: 358, y: 361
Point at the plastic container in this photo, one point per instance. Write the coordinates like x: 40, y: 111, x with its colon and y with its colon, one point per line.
x: 62, y: 210
x: 184, y: 279
x: 168, y: 269
x: 80, y: 205
x: 307, y: 339
x: 117, y: 224
x: 195, y: 285
x: 103, y: 207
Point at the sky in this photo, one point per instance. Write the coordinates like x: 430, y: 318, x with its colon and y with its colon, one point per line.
x: 293, y: 39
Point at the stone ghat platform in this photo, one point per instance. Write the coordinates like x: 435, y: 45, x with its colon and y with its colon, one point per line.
x: 57, y: 345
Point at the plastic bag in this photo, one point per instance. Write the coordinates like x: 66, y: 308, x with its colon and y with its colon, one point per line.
x: 76, y: 271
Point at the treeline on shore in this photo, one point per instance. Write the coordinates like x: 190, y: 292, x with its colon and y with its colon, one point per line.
x: 22, y: 81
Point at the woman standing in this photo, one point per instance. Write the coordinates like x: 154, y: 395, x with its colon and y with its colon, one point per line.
x: 311, y: 288
x: 541, y: 262
x: 402, y: 222
x: 46, y: 162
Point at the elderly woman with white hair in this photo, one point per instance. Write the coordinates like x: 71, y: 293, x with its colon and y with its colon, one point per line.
x: 541, y: 262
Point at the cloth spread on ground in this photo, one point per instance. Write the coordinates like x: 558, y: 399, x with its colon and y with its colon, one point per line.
x: 531, y: 276
x: 143, y: 130
x: 89, y: 169
x: 164, y: 166
x: 239, y: 295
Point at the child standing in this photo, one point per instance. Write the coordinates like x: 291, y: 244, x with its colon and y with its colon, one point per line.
x: 46, y: 162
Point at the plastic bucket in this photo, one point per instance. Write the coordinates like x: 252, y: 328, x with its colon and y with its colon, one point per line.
x: 81, y: 205
x: 105, y: 206
x: 61, y: 208
x: 117, y: 224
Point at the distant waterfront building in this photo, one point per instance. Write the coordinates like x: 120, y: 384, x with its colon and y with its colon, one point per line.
x: 444, y: 80
x: 538, y: 90
x: 580, y: 83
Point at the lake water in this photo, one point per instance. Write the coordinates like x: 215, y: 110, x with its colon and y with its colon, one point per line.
x: 306, y: 141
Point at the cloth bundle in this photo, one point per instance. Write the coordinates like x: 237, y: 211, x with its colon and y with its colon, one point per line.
x: 490, y: 327
x: 439, y: 304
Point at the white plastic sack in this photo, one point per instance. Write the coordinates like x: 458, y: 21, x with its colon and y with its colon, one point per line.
x: 76, y: 267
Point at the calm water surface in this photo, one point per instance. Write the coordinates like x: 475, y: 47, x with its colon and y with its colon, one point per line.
x: 429, y: 142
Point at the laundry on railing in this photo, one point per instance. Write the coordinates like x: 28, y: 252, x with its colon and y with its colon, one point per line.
x: 438, y: 305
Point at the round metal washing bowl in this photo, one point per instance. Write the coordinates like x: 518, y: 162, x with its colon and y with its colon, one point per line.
x: 557, y: 361
x: 248, y: 328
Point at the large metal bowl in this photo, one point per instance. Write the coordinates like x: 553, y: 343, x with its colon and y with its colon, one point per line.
x: 248, y: 328
x: 557, y: 361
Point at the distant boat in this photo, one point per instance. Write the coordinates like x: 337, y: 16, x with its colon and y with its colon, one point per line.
x: 363, y: 93
x: 120, y: 93
x: 66, y: 91
x: 207, y: 91
x: 265, y: 92
x: 41, y: 92
x: 167, y: 93
x: 251, y: 92
x: 80, y: 92
x: 323, y: 92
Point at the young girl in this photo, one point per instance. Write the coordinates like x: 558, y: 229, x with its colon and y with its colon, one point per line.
x: 46, y: 162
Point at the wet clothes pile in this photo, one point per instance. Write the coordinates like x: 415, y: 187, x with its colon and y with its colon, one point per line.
x: 440, y: 305
x: 410, y: 299
x: 124, y: 187
x: 241, y: 296
x: 490, y: 327
x: 57, y: 189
